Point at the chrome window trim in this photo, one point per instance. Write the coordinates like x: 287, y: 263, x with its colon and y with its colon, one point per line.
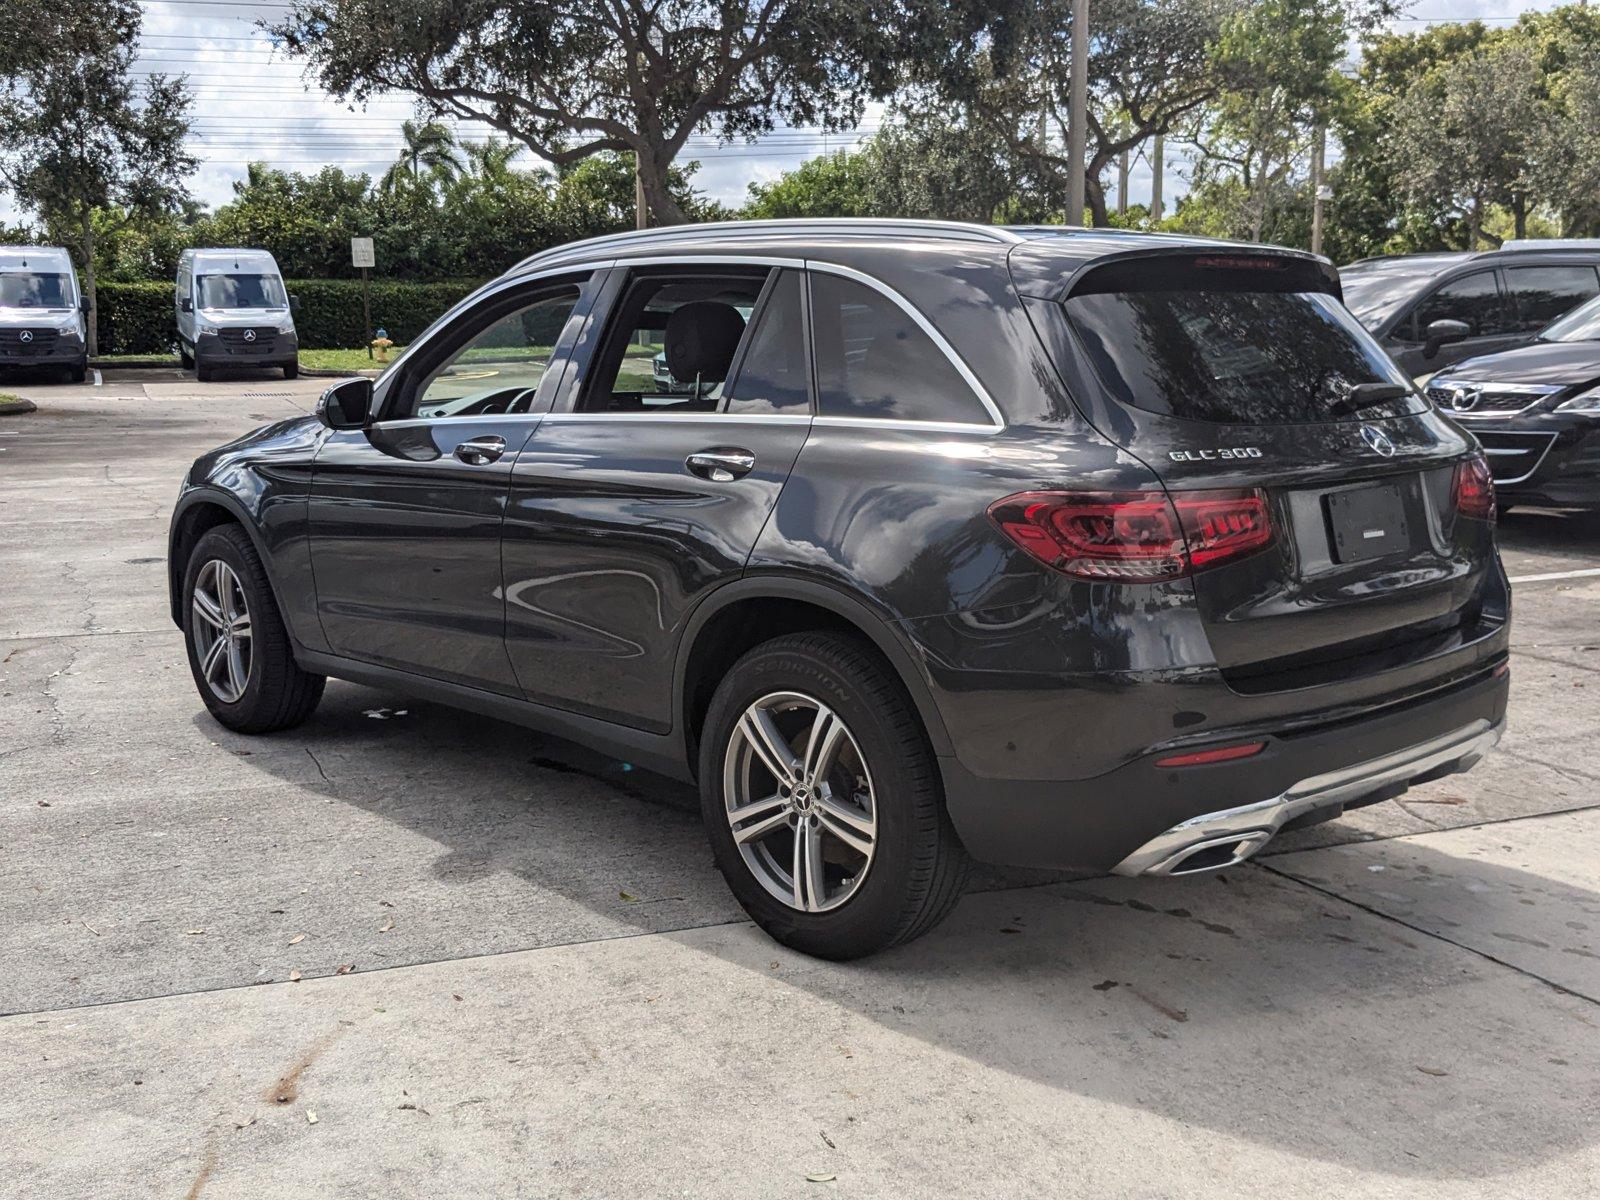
x: 721, y: 418
x: 979, y: 392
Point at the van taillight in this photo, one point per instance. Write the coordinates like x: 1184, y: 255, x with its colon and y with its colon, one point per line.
x: 1139, y: 537
x: 1475, y: 489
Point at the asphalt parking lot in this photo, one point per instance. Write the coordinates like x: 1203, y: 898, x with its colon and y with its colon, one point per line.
x: 408, y: 951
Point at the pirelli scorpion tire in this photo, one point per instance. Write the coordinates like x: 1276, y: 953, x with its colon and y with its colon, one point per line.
x: 239, y: 651
x: 822, y: 799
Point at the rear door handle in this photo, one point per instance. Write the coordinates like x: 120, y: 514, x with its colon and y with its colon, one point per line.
x: 721, y: 465
x: 479, y: 450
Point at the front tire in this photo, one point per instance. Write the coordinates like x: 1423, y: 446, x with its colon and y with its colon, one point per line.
x: 291, y: 370
x: 822, y: 800
x: 203, y: 373
x: 239, y: 651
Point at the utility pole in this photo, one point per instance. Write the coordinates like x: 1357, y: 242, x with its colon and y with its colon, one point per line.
x: 1319, y: 192
x: 1158, y: 164
x: 1078, y: 112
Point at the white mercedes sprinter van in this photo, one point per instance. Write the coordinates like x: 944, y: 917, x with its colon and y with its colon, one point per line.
x: 233, y: 311
x: 42, y: 311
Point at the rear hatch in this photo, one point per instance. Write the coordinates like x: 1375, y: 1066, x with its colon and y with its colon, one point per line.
x: 1241, y: 371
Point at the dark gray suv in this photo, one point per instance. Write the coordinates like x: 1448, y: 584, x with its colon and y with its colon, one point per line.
x: 1057, y: 548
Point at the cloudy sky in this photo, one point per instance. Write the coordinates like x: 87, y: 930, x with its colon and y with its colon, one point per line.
x: 253, y: 104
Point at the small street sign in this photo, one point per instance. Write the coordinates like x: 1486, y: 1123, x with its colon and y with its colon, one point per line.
x: 361, y: 253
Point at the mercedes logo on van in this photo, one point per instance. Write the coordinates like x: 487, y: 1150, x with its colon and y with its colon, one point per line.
x: 249, y: 335
x: 1465, y: 399
x: 1377, y: 441
x: 26, y: 335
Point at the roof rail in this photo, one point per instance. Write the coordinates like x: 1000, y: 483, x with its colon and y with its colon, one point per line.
x: 823, y: 227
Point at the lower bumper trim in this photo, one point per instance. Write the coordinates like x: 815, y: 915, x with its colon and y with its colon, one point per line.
x: 1220, y: 839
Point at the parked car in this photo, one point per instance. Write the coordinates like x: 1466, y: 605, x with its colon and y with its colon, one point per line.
x: 1432, y: 310
x: 41, y: 311
x: 234, y: 312
x: 1536, y: 410
x: 1058, y: 548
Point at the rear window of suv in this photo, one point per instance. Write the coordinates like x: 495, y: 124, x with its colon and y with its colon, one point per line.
x: 1195, y: 345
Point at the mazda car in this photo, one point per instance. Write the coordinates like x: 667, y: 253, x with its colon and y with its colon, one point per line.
x: 1069, y: 549
x: 1536, y: 410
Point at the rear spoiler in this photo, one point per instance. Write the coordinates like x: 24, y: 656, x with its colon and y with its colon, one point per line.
x: 1039, y: 273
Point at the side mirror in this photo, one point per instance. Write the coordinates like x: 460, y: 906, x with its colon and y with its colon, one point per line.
x: 294, y: 304
x: 1442, y: 332
x: 346, y: 405
x: 186, y: 304
x: 83, y: 307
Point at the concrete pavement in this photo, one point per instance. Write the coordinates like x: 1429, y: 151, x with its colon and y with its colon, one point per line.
x: 1408, y: 998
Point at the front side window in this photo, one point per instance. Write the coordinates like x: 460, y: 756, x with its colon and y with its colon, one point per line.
x: 672, y: 342
x: 1541, y: 294
x: 1234, y: 357
x: 241, y: 291
x: 1474, y: 299
x: 874, y: 360
x: 500, y: 367
x: 34, y: 289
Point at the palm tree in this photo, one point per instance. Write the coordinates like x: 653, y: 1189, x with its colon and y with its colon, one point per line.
x: 430, y: 147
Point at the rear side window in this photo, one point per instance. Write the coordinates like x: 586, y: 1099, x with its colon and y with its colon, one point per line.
x: 1541, y: 294
x: 1234, y: 357
x: 874, y: 360
x: 772, y: 378
x: 1474, y: 299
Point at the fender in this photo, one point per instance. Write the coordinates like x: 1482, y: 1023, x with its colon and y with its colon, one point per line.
x: 887, y: 636
x: 210, y: 494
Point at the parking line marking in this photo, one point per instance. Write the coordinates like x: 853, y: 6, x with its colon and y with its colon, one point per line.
x: 1584, y: 574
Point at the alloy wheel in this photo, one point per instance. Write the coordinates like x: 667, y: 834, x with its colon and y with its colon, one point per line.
x: 221, y: 631
x: 800, y: 801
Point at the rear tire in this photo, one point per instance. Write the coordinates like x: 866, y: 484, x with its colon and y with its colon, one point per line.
x: 185, y: 359
x: 276, y: 693
x: 868, y: 899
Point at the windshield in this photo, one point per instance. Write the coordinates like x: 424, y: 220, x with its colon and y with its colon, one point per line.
x: 1375, y: 294
x: 30, y: 289
x: 1237, y: 357
x: 1582, y: 324
x: 240, y: 291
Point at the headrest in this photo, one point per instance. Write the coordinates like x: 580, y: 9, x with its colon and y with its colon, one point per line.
x: 701, y: 338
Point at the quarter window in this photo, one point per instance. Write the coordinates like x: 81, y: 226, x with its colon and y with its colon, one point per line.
x: 1474, y: 299
x: 500, y: 367
x: 1542, y: 294
x: 874, y: 360
x: 772, y: 377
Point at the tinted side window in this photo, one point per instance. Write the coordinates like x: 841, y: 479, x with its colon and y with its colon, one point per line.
x: 499, y: 367
x: 772, y: 378
x: 1541, y: 294
x: 873, y: 360
x: 1474, y: 299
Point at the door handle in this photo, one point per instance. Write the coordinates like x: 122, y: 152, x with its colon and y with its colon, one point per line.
x: 722, y: 465
x: 479, y: 450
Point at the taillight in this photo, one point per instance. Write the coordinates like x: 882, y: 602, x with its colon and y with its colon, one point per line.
x: 1475, y: 489
x: 1142, y: 537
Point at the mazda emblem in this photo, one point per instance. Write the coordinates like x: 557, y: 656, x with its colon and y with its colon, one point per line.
x: 1378, y: 441
x: 249, y: 335
x: 1465, y: 399
x: 27, y: 335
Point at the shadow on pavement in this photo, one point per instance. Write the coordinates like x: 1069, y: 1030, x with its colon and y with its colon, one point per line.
x: 1243, y: 1004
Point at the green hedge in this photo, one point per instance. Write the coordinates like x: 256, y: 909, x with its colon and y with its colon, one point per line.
x: 138, y: 318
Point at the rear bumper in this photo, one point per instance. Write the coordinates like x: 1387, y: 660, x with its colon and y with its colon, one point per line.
x: 1140, y: 817
x: 1222, y: 839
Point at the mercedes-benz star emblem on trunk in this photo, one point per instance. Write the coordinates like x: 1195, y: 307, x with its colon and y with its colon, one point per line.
x: 1378, y: 441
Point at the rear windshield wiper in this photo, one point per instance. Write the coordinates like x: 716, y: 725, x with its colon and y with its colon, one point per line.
x: 1366, y: 395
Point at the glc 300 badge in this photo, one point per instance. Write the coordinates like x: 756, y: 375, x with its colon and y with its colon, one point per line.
x: 1218, y: 452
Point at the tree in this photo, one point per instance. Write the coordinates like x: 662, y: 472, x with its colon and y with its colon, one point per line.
x: 429, y: 146
x: 77, y: 136
x: 1151, y: 66
x: 569, y: 79
x: 1467, y: 135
